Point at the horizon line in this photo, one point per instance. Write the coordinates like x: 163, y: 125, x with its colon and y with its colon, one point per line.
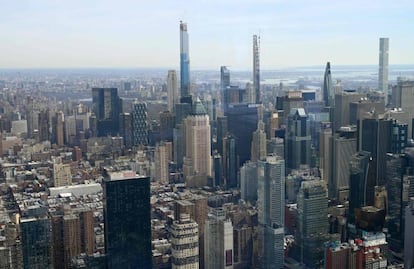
x: 192, y: 69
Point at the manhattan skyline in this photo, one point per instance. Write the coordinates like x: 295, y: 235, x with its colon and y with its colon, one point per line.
x: 75, y: 34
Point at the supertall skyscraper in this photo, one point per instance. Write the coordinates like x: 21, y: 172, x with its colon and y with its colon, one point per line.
x: 184, y: 61
x: 328, y: 94
x: 127, y: 215
x: 224, y: 84
x: 256, y: 67
x: 383, y: 66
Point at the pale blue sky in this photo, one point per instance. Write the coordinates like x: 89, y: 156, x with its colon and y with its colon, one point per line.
x: 138, y: 33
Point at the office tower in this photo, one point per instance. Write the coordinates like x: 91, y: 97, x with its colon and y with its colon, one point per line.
x: 399, y: 179
x: 184, y: 243
x: 359, y: 109
x: 139, y: 124
x: 361, y: 183
x: 256, y: 68
x: 312, y: 221
x: 272, y: 124
x: 298, y: 139
x: 271, y: 191
x: 218, y: 245
x: 230, y: 165
x: 127, y: 215
x: 375, y: 137
x: 325, y: 151
x: 271, y: 210
x: 291, y: 100
x: 62, y: 175
x: 394, y: 176
x: 248, y: 181
x: 161, y: 163
x: 166, y: 126
x: 383, y: 67
x: 258, y: 146
x: 125, y: 128
x: 399, y: 137
x: 218, y: 178
x: 409, y: 235
x: 59, y: 129
x: 222, y: 129
x: 342, y: 106
x: 224, y: 84
x: 179, y: 145
x: 29, y: 116
x: 35, y: 236
x: 328, y: 94
x: 44, y: 125
x: 344, y: 146
x: 172, y: 90
x: 242, y: 122
x: 403, y: 97
x: 106, y: 107
x: 184, y: 62
x: 197, y: 160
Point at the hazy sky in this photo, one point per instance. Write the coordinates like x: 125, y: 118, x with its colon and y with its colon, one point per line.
x: 145, y: 33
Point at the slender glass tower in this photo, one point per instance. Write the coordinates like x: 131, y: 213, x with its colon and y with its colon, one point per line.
x: 256, y: 67
x: 328, y: 94
x: 184, y: 61
x: 383, y: 67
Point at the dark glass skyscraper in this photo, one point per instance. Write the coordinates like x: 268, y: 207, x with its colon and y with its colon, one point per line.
x: 35, y: 233
x: 298, y: 139
x: 106, y: 105
x: 127, y: 215
x: 184, y: 61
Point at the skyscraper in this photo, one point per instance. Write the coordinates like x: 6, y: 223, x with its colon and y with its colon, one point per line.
x: 184, y: 243
x: 35, y: 234
x: 359, y: 182
x: 258, y: 146
x: 403, y: 97
x: 271, y: 209
x: 298, y: 139
x: 328, y: 94
x: 383, y: 67
x: 218, y: 245
x: 106, y: 106
x: 127, y: 216
x: 409, y: 235
x: 312, y: 221
x: 344, y: 145
x: 197, y: 161
x: 172, y: 90
x: 139, y: 124
x: 224, y: 84
x: 256, y: 67
x: 184, y: 62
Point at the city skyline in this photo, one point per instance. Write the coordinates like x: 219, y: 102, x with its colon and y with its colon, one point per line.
x: 79, y: 34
